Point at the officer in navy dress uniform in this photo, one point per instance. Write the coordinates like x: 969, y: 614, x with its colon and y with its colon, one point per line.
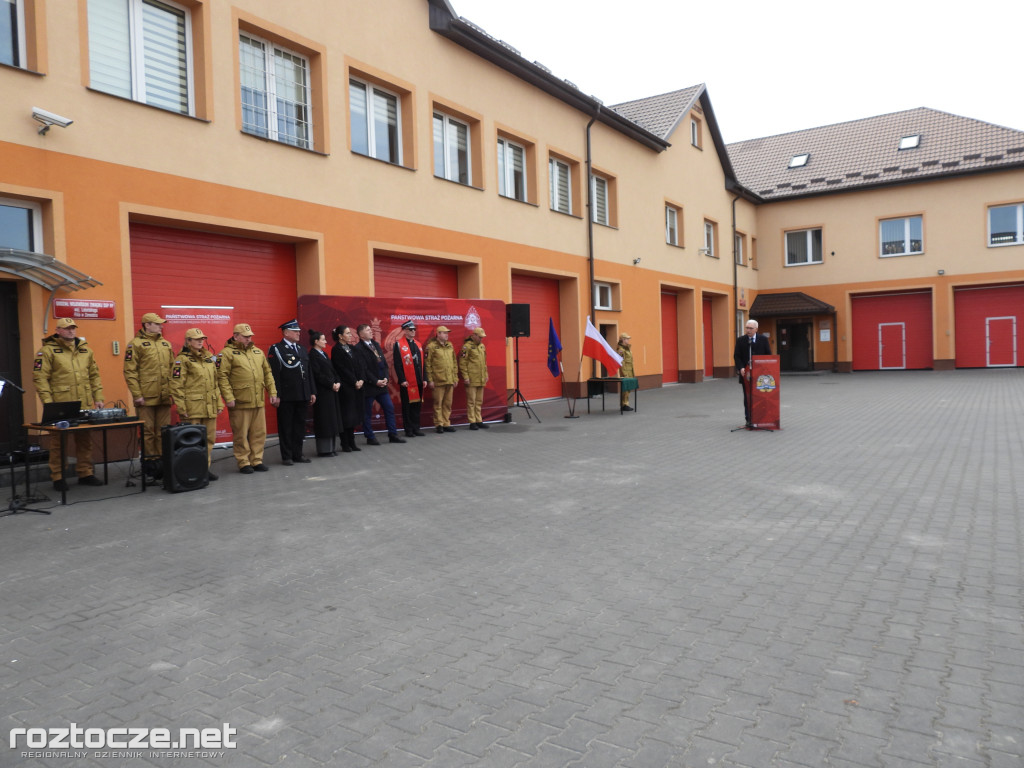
x: 289, y: 363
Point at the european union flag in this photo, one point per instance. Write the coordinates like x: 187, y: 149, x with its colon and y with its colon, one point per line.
x: 554, y: 347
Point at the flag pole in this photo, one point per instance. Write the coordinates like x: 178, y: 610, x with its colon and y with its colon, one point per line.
x: 570, y: 405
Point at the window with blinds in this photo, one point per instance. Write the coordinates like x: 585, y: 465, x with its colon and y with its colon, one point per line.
x: 803, y: 247
x: 671, y: 225
x: 142, y: 50
x: 451, y: 149
x: 275, y: 92
x: 599, y: 195
x: 375, y: 121
x: 561, y: 186
x: 511, y: 169
x: 900, y: 237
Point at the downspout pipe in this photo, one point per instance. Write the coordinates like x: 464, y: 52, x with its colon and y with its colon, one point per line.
x: 590, y: 234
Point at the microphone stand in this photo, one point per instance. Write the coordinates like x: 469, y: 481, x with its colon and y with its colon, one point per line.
x: 17, y: 504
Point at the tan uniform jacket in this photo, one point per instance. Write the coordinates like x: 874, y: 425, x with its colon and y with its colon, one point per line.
x: 147, y: 368
x: 473, y: 363
x: 441, y: 366
x: 194, y: 384
x: 67, y: 371
x: 245, y: 376
x: 626, y: 371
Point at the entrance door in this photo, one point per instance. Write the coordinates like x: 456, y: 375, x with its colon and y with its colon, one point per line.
x: 709, y: 347
x: 1001, y: 341
x: 11, y: 407
x: 795, y: 347
x: 669, y: 339
x: 892, y: 346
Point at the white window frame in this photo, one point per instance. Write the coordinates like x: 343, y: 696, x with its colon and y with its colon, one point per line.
x: 369, y: 89
x: 809, y: 235
x: 35, y: 232
x: 270, y: 52
x: 671, y: 225
x: 604, y: 296
x: 1018, y: 236
x: 18, y: 41
x: 695, y: 132
x: 599, y: 194
x: 560, y: 170
x: 450, y: 166
x: 507, y: 151
x: 907, y: 239
x: 127, y: 73
x: 737, y: 244
x: 709, y: 238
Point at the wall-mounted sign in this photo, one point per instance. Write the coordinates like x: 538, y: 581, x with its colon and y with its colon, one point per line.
x: 83, y: 309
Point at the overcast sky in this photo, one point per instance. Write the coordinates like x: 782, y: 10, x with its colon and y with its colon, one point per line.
x: 775, y: 67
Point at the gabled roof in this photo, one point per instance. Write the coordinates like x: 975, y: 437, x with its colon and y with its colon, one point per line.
x: 865, y: 153
x: 786, y: 304
x: 662, y: 114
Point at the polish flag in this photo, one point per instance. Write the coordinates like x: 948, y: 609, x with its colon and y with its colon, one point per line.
x: 595, y: 346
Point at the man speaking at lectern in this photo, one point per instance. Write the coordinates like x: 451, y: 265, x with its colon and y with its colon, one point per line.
x: 750, y: 344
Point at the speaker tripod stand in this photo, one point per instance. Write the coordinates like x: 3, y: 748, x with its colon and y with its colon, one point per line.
x: 17, y: 504
x: 516, y: 399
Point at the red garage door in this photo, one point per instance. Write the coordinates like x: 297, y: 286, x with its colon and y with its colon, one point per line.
x: 669, y: 339
x: 541, y: 293
x: 709, y: 341
x: 892, y: 331
x: 989, y: 322
x: 253, y: 280
x: 397, y: 278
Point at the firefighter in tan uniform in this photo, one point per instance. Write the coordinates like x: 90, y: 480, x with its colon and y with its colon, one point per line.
x: 65, y: 370
x: 245, y: 378
x: 147, y: 371
x: 473, y: 370
x: 442, y: 370
x: 195, y: 390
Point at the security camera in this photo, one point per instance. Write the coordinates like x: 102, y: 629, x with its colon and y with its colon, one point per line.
x: 49, y: 118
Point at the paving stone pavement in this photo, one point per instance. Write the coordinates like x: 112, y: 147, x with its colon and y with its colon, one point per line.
x: 637, y: 590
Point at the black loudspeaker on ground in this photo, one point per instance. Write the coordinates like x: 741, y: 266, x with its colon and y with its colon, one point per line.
x: 185, y: 465
x: 517, y: 320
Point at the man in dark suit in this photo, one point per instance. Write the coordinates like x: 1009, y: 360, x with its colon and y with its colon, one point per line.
x: 412, y: 384
x: 289, y: 363
x: 374, y: 366
x: 750, y: 344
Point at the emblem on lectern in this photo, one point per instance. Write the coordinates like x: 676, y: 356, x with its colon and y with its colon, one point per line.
x: 765, y: 383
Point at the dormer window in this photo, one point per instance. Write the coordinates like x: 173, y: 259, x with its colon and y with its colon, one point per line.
x: 799, y: 161
x: 910, y: 142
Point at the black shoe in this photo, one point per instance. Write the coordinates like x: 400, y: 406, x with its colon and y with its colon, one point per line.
x: 90, y: 480
x: 288, y: 462
x: 449, y: 429
x: 246, y: 470
x: 211, y: 476
x: 418, y: 433
x: 395, y: 439
x: 483, y: 426
x: 372, y: 441
x: 346, y: 449
x: 439, y: 430
x: 355, y: 447
x: 261, y: 468
x: 304, y: 460
x: 60, y: 485
x: 409, y: 433
x: 625, y: 408
x: 474, y: 426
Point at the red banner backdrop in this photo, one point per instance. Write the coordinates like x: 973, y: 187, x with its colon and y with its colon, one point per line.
x: 764, y: 404
x: 386, y: 315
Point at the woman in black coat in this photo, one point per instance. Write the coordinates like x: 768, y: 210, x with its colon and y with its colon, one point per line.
x: 350, y: 396
x: 326, y: 416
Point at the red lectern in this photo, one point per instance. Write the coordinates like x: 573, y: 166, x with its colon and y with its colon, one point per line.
x: 764, y: 392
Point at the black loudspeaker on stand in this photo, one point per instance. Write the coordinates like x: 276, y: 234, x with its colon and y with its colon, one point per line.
x: 517, y: 320
x: 185, y: 462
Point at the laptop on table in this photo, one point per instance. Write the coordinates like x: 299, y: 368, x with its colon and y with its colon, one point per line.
x: 54, y: 412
